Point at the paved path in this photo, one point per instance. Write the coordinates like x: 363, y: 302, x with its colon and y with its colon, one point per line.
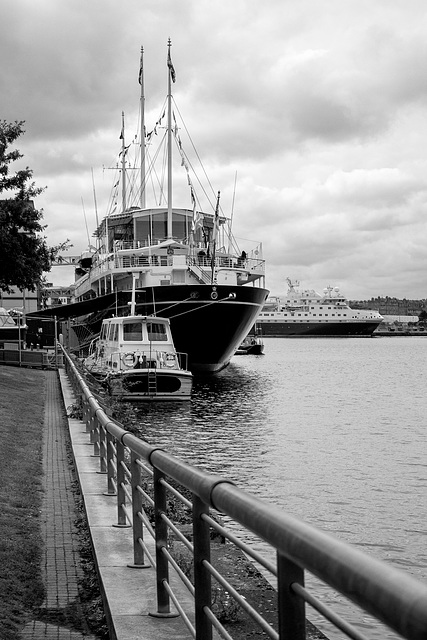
x: 61, y: 568
x: 130, y: 594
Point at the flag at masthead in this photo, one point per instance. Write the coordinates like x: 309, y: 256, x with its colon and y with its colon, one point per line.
x: 170, y: 65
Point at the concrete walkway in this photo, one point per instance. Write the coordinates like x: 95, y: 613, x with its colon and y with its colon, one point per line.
x: 129, y: 593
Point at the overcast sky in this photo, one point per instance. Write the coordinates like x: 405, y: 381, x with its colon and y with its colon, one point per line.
x: 318, y: 106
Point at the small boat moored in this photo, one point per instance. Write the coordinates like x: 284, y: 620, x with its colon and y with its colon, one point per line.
x: 251, y: 345
x: 135, y: 358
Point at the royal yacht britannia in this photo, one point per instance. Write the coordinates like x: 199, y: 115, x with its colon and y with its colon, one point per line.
x: 186, y: 263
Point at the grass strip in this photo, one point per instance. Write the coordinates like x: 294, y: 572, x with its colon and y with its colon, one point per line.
x: 22, y: 398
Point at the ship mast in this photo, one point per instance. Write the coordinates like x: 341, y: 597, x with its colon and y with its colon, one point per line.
x: 142, y: 149
x: 171, y: 77
x: 122, y: 136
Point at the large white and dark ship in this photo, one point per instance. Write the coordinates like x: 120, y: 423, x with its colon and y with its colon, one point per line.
x: 306, y: 313
x: 187, y: 265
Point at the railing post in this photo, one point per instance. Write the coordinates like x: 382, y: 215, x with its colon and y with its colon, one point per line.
x: 88, y: 419
x: 202, y: 577
x: 291, y: 607
x: 102, y: 448
x: 137, y: 524
x: 162, y: 566
x: 121, y: 478
x: 111, y: 489
x: 95, y: 429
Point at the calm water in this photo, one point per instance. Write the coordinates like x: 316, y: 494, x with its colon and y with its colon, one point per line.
x: 331, y: 430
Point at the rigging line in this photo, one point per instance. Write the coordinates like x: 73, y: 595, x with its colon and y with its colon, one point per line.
x: 151, y: 172
x: 194, y: 147
x: 234, y: 197
x: 158, y: 122
x: 190, y: 165
x: 203, y: 306
x: 87, y: 230
x: 171, y: 306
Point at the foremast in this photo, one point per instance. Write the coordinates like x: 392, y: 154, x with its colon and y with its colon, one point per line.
x: 171, y: 78
x: 142, y: 199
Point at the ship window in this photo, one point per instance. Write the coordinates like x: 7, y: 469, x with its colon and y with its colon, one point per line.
x: 179, y: 225
x: 132, y: 331
x: 156, y: 331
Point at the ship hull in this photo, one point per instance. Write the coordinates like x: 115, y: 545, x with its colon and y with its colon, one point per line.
x: 285, y: 329
x: 208, y: 322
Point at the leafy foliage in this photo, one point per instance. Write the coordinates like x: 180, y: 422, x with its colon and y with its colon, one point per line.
x: 24, y: 253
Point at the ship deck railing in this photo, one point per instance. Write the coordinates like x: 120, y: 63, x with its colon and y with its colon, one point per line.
x: 117, y: 263
x: 153, y: 489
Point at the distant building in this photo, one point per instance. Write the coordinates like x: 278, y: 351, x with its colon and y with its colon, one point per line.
x: 55, y: 296
x: 24, y: 301
x: 392, y: 306
x: 30, y: 301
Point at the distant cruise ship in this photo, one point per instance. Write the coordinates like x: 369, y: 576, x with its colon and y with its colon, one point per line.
x: 308, y: 313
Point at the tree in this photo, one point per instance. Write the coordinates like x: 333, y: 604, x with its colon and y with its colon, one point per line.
x: 24, y: 253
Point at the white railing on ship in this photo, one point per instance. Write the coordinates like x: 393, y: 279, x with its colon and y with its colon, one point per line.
x: 118, y: 262
x: 142, y: 476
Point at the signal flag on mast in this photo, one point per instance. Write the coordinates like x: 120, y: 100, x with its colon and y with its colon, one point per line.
x: 170, y: 65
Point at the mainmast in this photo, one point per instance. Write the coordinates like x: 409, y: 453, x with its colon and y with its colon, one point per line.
x: 142, y: 150
x: 122, y: 136
x: 171, y: 78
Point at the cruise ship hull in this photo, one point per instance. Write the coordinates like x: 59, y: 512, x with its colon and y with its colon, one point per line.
x: 285, y: 329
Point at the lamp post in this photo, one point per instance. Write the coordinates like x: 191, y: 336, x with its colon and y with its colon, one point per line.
x: 21, y: 325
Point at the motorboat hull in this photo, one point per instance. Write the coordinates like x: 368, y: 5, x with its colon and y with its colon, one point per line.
x: 150, y: 386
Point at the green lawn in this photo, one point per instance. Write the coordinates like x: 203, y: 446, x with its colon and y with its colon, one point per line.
x: 22, y: 398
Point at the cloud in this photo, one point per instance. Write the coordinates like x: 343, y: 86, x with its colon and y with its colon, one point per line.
x: 317, y: 110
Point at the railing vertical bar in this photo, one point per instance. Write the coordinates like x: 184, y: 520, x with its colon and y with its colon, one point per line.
x: 162, y: 565
x: 87, y: 417
x: 102, y: 448
x: 202, y: 577
x: 111, y: 489
x: 121, y: 494
x: 291, y: 607
x: 137, y: 524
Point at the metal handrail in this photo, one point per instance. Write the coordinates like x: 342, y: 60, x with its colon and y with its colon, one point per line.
x: 390, y: 595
